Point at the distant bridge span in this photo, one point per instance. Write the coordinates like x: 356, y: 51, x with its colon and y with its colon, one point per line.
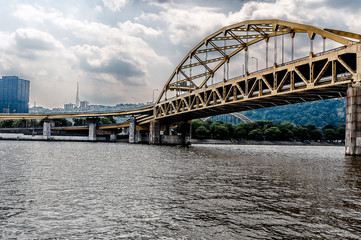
x: 216, y: 76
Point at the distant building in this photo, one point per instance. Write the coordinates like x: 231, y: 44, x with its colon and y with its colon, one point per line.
x: 14, y: 95
x: 69, y: 106
x: 84, y: 104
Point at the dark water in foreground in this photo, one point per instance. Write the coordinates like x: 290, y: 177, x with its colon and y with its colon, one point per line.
x: 121, y: 191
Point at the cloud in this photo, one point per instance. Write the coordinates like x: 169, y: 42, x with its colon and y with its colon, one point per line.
x: 34, y: 40
x: 136, y: 29
x: 110, y: 60
x: 187, y: 25
x: 104, y: 58
x: 35, y: 13
x: 114, y: 5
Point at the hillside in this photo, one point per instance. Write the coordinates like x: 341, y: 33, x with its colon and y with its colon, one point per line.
x: 318, y: 113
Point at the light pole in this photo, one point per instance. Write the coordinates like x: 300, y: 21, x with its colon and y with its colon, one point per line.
x: 153, y: 93
x: 256, y: 62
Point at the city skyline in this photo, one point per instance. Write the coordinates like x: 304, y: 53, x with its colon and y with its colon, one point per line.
x: 121, y: 50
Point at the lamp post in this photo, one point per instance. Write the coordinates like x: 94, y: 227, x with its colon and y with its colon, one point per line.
x: 153, y: 93
x: 256, y: 62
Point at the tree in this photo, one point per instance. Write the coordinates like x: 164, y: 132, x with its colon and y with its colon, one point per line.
x: 330, y: 134
x: 231, y: 129
x: 241, y: 131
x: 301, y: 133
x: 256, y: 134
x: 220, y: 132
x: 7, y: 123
x: 272, y: 133
x: 341, y: 132
x: 62, y: 122
x: 80, y: 122
x: 202, y: 132
x: 286, y: 131
x: 107, y: 120
x: 316, y: 134
x: 196, y: 124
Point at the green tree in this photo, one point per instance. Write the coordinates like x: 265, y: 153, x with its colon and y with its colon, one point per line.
x: 220, y: 132
x: 330, y: 134
x: 272, y: 133
x: 301, y: 133
x: 256, y: 134
x: 7, y: 123
x: 241, y: 131
x: 341, y: 132
x: 315, y: 134
x: 202, y: 132
x: 107, y: 120
x: 62, y: 122
x: 231, y: 129
x: 80, y: 122
x: 286, y: 131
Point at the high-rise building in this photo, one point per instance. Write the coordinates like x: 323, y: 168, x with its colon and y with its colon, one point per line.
x: 69, y: 106
x: 14, y: 95
x: 84, y: 104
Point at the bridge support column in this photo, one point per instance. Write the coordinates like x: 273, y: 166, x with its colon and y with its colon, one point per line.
x: 113, y: 137
x: 353, y: 121
x: 154, y: 132
x: 132, y: 130
x: 47, y: 129
x: 92, y: 124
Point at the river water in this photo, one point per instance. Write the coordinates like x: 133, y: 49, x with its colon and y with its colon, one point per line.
x: 63, y: 190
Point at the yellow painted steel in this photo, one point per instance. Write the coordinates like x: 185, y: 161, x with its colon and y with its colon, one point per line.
x: 259, y: 30
x: 272, y: 87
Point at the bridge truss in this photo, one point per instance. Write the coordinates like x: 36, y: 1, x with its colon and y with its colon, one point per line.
x: 192, y: 91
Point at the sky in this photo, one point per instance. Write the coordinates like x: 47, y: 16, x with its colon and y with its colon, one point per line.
x: 120, y: 51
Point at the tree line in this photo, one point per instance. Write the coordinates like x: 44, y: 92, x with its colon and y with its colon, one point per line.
x: 266, y: 131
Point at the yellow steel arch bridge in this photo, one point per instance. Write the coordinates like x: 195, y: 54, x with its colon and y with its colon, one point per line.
x: 193, y: 91
x: 216, y: 76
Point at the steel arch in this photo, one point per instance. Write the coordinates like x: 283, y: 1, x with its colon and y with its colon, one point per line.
x: 260, y: 30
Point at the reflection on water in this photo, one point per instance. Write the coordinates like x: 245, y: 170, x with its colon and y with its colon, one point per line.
x: 123, y: 191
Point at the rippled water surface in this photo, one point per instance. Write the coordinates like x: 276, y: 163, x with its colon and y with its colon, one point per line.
x: 120, y: 191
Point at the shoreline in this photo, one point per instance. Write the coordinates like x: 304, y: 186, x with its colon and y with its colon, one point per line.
x: 254, y: 142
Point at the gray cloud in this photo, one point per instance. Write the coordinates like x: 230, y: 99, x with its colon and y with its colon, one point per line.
x: 122, y: 69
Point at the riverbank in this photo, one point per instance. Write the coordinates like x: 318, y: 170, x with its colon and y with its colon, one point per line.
x: 253, y: 142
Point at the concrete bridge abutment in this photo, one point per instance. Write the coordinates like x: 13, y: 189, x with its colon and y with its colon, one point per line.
x: 353, y: 121
x: 162, y: 133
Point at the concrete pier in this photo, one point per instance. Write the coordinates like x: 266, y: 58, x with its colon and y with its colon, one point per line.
x: 154, y: 132
x: 353, y: 121
x: 132, y: 130
x: 92, y: 124
x: 48, y: 124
